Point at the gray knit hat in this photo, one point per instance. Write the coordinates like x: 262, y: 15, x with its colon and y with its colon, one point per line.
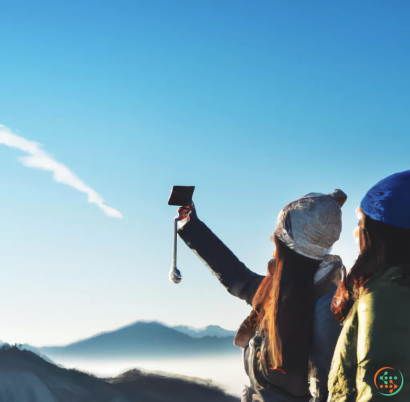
x: 312, y: 224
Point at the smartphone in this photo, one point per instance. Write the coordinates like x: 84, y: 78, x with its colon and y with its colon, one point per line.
x: 181, y: 195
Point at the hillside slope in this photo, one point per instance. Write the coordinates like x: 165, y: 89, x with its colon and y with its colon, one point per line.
x: 26, y: 377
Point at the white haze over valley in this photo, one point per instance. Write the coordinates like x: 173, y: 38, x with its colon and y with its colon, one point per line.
x: 226, y: 371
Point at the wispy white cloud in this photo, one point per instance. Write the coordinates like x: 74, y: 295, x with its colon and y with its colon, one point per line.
x: 39, y: 159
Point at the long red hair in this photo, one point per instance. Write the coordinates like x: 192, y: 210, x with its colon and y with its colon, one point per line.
x: 382, y: 246
x: 285, y: 304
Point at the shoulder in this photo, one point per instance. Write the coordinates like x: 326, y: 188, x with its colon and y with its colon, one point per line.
x: 328, y: 276
x: 384, y: 290
x: 383, y: 311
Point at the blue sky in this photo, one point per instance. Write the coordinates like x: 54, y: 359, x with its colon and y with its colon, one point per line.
x: 255, y: 103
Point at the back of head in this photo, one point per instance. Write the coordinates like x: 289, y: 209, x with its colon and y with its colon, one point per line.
x: 312, y: 224
x: 384, y: 238
x: 386, y: 224
x: 385, y: 245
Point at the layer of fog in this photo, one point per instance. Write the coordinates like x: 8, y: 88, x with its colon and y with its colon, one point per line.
x: 226, y: 372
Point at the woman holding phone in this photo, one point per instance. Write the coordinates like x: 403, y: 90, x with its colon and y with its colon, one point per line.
x: 291, y: 333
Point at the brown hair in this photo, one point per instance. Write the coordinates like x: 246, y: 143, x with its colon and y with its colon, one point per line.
x: 382, y: 246
x: 285, y: 304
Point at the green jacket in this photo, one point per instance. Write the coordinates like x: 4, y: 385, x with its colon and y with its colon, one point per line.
x: 375, y: 334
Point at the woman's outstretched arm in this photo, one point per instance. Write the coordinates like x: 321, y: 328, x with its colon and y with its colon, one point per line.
x: 232, y: 273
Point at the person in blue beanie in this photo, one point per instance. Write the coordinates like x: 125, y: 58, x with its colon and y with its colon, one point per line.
x: 372, y: 356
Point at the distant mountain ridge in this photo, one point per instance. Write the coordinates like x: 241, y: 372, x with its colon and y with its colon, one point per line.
x: 149, y: 340
x: 210, y: 330
x: 26, y: 377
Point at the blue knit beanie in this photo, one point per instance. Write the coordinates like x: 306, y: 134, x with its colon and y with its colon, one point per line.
x: 389, y: 200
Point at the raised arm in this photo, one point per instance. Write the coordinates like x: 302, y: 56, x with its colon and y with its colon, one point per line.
x: 232, y: 273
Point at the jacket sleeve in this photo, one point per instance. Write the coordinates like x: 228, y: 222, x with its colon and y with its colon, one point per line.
x: 383, y: 336
x: 326, y: 334
x: 232, y: 273
x: 342, y: 375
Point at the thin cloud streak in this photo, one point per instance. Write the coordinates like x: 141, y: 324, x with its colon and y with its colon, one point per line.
x: 39, y: 159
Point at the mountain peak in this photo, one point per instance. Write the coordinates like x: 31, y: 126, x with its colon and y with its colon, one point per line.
x: 210, y: 330
x: 149, y: 340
